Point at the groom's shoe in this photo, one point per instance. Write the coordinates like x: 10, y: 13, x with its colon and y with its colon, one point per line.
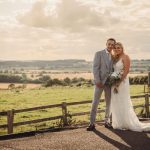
x: 91, y: 127
x: 108, y: 125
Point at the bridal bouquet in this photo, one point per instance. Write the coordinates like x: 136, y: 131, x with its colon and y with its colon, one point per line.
x: 114, y: 78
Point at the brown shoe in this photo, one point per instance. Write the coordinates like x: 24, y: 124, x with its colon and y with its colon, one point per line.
x: 91, y: 127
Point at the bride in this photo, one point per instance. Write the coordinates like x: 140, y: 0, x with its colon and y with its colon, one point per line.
x: 123, y: 115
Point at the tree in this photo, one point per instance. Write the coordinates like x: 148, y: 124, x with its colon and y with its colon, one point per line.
x: 48, y: 83
x: 67, y: 80
x: 44, y: 78
x: 11, y: 86
x: 32, y: 76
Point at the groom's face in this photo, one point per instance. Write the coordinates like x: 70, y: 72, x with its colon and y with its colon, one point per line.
x: 110, y: 45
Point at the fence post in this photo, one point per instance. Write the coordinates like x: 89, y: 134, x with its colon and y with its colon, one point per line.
x: 64, y: 113
x: 144, y: 87
x: 10, y: 119
x: 147, y: 105
x: 148, y: 82
x: 149, y: 78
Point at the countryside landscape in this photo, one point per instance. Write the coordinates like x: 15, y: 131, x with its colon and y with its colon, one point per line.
x: 48, y: 48
x: 27, y: 84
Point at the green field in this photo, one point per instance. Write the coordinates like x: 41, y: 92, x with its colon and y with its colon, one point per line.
x: 45, y: 96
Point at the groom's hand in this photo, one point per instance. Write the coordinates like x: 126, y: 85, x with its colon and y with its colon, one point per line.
x: 99, y: 85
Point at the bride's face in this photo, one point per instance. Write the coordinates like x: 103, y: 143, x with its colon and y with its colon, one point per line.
x: 118, y: 49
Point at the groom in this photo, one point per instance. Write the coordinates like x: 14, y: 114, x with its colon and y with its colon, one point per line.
x: 102, y: 67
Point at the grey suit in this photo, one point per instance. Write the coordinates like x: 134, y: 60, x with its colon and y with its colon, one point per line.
x: 102, y: 67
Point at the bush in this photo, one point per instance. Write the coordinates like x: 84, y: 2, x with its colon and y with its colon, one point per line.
x: 67, y: 81
x: 138, y: 80
x: 44, y: 78
x: 11, y: 86
x: 48, y: 83
x: 10, y: 78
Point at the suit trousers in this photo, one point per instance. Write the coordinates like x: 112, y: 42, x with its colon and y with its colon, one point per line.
x: 96, y: 99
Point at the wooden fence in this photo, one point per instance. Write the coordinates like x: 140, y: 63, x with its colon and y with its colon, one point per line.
x: 11, y: 113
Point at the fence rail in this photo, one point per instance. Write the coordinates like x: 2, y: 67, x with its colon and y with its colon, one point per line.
x: 11, y: 113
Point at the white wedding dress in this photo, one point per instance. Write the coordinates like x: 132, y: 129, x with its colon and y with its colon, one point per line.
x: 123, y: 115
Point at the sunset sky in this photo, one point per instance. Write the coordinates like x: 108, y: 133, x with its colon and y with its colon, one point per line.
x: 72, y: 29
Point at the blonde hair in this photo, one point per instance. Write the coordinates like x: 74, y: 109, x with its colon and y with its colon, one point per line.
x: 120, y: 44
x: 116, y: 57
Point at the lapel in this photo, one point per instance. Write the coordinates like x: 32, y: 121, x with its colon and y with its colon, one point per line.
x: 106, y: 59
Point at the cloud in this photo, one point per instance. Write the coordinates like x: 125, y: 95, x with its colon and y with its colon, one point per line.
x: 71, y: 15
x: 36, y: 16
x: 122, y: 2
x: 74, y: 28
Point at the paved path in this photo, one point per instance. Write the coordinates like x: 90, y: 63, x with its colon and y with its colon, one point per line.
x: 80, y: 139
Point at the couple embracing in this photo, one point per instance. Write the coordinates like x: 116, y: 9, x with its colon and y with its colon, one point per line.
x: 109, y: 64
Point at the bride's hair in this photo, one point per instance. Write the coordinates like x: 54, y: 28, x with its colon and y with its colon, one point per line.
x: 121, y: 45
x: 116, y: 57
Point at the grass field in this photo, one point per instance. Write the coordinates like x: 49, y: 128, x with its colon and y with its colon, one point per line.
x: 45, y: 96
x: 4, y: 86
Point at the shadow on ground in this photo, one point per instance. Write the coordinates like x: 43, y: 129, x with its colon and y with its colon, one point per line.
x: 133, y: 140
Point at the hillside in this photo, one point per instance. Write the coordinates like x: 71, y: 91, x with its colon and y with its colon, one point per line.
x: 68, y: 64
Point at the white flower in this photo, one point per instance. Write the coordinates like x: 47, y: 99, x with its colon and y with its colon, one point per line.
x: 115, y: 77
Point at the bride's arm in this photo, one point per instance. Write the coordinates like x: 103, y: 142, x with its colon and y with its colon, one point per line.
x: 126, y: 63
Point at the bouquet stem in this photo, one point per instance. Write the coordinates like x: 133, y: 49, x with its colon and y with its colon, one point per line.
x: 116, y: 90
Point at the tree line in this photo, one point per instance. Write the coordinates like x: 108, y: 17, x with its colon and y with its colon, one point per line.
x: 48, y: 81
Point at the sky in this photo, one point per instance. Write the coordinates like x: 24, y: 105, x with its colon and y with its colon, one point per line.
x: 72, y: 29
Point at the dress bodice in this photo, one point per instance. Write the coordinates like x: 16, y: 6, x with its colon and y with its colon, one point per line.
x: 118, y: 66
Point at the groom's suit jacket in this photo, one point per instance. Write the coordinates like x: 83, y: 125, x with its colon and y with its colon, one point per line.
x: 102, y: 66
